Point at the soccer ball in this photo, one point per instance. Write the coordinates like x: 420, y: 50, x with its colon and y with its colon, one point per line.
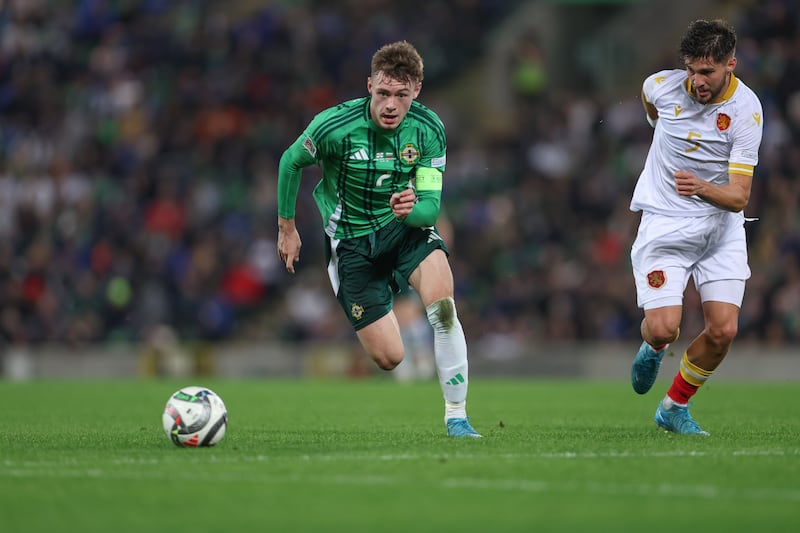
x: 195, y: 416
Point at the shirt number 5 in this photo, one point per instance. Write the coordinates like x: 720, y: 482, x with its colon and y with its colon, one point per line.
x: 695, y: 145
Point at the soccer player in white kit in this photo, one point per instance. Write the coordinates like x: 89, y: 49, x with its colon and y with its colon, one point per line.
x: 692, y: 193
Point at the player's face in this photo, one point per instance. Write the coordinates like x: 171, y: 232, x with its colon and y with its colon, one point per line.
x: 391, y: 99
x: 709, y: 79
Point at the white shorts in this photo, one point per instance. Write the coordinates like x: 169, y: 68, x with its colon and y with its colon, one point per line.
x: 711, y: 249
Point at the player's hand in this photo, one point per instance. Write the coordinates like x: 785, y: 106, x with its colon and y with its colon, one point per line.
x: 289, y: 243
x: 402, y: 203
x: 687, y: 184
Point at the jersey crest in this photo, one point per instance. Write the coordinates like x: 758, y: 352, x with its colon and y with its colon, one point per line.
x: 656, y: 279
x: 723, y: 122
x: 356, y: 311
x: 409, y: 154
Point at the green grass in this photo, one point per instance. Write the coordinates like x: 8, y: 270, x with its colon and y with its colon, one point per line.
x: 372, y: 456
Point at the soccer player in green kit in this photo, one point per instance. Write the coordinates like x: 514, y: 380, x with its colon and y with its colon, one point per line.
x: 382, y: 159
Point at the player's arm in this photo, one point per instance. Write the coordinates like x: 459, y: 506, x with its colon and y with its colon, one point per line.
x: 420, y: 209
x: 733, y: 197
x: 650, y: 109
x: 299, y: 155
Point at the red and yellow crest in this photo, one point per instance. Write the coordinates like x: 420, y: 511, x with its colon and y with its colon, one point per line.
x: 723, y: 122
x: 656, y: 279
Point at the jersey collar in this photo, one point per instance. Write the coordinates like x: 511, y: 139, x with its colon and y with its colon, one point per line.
x: 726, y: 96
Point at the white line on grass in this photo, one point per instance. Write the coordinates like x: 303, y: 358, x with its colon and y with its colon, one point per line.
x: 91, y: 468
x: 510, y: 485
x: 205, y: 458
x: 623, y: 489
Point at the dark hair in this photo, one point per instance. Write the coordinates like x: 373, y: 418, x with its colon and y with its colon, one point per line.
x: 399, y: 61
x: 711, y: 39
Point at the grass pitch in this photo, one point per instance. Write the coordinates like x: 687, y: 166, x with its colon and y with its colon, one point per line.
x: 373, y: 456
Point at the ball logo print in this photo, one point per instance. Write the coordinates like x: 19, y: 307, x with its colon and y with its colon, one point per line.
x: 195, y: 417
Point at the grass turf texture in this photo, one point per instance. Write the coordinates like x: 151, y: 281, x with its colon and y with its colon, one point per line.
x: 373, y: 456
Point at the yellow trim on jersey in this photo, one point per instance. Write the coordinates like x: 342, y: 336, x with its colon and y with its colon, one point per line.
x: 429, y: 179
x: 741, y: 168
x: 693, y: 374
x: 728, y: 92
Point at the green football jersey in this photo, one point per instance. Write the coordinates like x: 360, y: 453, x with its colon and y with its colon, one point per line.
x: 362, y: 164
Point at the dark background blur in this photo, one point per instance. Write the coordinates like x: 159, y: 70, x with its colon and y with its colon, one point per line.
x: 139, y: 145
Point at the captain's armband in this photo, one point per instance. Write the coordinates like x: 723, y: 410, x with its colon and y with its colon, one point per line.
x: 428, y: 179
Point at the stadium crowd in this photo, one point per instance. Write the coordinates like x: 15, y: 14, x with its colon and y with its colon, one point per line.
x: 138, y: 158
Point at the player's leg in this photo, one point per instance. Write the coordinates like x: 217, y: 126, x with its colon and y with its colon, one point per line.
x: 711, y: 346
x: 702, y: 357
x: 661, y: 325
x: 672, y: 413
x: 433, y: 281
x: 708, y: 349
x: 382, y: 342
x: 361, y: 284
x: 659, y: 328
x: 720, y: 278
x: 661, y: 272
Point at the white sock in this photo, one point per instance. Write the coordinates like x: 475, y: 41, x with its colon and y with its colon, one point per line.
x: 455, y: 410
x: 668, y: 402
x: 450, y: 353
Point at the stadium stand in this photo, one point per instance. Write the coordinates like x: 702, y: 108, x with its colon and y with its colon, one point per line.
x: 138, y: 156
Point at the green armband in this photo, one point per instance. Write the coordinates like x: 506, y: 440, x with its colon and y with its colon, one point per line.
x: 428, y: 179
x: 429, y: 194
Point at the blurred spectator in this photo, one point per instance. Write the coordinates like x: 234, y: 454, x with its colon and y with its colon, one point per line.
x: 139, y: 145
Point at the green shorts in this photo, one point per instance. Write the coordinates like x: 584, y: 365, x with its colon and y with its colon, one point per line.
x: 366, y: 271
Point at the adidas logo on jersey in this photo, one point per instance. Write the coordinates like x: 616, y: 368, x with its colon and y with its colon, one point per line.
x: 359, y: 155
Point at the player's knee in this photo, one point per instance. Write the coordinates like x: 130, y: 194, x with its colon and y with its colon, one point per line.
x: 662, y: 332
x: 386, y: 360
x: 386, y: 364
x: 721, y: 336
x: 442, y: 314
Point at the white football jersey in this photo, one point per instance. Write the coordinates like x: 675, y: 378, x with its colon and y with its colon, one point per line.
x: 708, y: 140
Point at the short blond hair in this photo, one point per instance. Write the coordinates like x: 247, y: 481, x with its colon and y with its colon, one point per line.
x: 400, y: 61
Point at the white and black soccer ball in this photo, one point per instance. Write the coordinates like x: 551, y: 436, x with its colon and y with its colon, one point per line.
x: 195, y: 416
